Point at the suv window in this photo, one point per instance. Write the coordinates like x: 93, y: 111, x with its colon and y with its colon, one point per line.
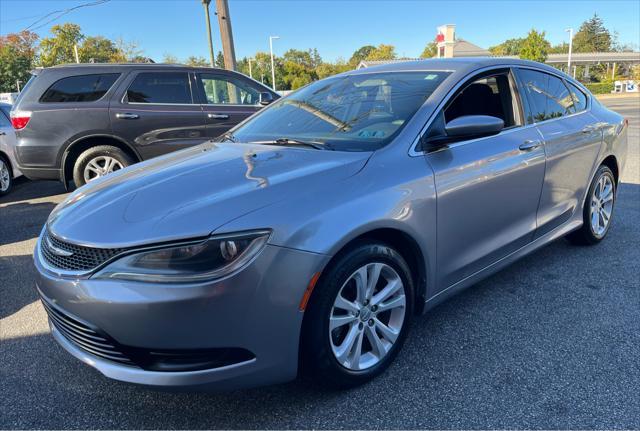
x: 548, y: 96
x: 220, y: 89
x: 579, y: 98
x: 490, y: 95
x: 160, y: 87
x: 80, y: 88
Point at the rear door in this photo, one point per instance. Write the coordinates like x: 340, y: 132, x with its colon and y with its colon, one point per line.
x: 157, y: 112
x: 572, y: 141
x: 227, y: 99
x: 488, y: 188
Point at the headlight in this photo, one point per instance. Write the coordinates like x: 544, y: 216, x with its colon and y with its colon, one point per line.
x: 213, y: 258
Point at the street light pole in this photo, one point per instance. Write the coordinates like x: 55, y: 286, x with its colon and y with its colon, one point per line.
x: 273, y: 67
x: 250, y: 72
x: 205, y: 3
x: 570, y: 30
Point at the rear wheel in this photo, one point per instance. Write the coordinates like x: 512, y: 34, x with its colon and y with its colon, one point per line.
x: 598, y: 209
x: 6, y: 180
x: 97, y: 162
x: 358, y: 317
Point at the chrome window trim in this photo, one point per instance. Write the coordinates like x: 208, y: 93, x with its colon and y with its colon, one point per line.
x: 414, y: 152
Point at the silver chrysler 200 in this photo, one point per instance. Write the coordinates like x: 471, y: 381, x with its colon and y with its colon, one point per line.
x: 309, y: 236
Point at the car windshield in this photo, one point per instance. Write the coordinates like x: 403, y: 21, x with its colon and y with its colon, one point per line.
x: 360, y: 112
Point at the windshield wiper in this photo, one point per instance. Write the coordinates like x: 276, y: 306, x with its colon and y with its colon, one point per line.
x: 228, y: 137
x: 293, y: 142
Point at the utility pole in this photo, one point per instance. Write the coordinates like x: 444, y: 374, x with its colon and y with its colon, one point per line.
x: 273, y: 67
x: 250, y: 73
x: 205, y: 3
x: 570, y: 30
x: 75, y: 51
x: 226, y: 34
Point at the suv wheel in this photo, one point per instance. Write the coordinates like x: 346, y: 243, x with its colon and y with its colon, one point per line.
x: 97, y: 162
x: 358, y: 317
x: 6, y: 180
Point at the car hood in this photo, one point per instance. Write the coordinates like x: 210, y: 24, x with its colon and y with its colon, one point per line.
x: 191, y: 193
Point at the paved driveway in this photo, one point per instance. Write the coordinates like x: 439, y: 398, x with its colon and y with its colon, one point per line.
x: 551, y: 342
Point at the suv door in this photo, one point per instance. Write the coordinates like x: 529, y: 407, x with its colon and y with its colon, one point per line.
x: 227, y: 99
x: 572, y: 142
x: 487, y: 188
x: 156, y: 112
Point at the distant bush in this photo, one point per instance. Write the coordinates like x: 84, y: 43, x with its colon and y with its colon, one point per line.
x: 600, y: 87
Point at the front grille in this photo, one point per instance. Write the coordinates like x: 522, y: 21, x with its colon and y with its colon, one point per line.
x: 80, y: 258
x: 84, y: 337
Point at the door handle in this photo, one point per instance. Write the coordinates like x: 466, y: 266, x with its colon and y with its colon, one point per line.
x: 127, y: 116
x: 591, y: 128
x: 2, y: 133
x: 218, y: 116
x: 530, y: 144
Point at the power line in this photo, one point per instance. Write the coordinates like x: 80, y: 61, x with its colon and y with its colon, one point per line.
x: 57, y: 14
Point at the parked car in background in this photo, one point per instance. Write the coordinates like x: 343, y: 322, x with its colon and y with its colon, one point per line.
x: 8, y: 168
x: 314, y: 232
x: 80, y: 122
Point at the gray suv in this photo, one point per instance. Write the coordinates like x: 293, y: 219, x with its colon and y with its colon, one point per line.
x: 80, y: 122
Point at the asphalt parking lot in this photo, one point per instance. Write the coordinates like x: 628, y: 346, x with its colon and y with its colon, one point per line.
x: 551, y: 342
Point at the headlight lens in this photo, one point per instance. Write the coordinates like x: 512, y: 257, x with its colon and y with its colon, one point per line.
x: 213, y: 258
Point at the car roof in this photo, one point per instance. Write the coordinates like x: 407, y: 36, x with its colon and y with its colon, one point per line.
x: 460, y: 64
x: 93, y: 67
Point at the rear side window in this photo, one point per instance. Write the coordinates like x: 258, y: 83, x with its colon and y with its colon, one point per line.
x: 548, y: 96
x: 158, y: 87
x: 579, y: 98
x: 81, y: 88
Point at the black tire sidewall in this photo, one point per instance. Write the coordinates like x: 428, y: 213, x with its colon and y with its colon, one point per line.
x: 8, y: 165
x: 592, y: 237
x: 91, y: 153
x: 318, y: 358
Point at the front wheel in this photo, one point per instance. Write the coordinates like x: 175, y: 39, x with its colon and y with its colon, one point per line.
x: 598, y: 209
x: 358, y: 316
x: 6, y: 180
x: 97, y: 162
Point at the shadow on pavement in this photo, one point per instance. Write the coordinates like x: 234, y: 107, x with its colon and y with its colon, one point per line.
x: 17, y: 288
x: 25, y: 189
x: 23, y: 221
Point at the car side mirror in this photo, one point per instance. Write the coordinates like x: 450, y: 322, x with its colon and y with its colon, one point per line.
x: 474, y: 126
x: 266, y: 98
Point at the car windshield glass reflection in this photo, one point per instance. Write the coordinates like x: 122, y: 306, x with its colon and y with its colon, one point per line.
x: 345, y: 113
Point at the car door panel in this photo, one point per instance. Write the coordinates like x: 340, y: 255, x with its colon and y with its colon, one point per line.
x: 156, y: 128
x: 488, y: 192
x: 572, y: 145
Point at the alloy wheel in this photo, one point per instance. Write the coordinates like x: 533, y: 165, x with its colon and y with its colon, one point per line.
x: 100, y: 166
x: 367, y: 316
x: 602, y: 205
x: 5, y: 178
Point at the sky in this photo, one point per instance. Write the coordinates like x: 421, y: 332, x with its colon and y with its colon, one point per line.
x: 335, y: 28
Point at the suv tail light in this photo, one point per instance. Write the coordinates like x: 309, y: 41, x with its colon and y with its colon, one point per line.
x: 19, y: 119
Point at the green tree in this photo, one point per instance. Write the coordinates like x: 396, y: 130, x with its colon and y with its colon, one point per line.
x: 196, y: 61
x: 561, y: 48
x: 219, y: 62
x: 360, y: 54
x: 17, y: 58
x: 328, y: 69
x: 98, y: 49
x: 535, y: 47
x: 592, y: 36
x: 170, y: 59
x: 383, y: 52
x: 58, y: 49
x: 508, y: 47
x: 430, y: 51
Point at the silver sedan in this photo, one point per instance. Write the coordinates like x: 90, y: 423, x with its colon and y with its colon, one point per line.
x: 308, y: 237
x: 8, y: 167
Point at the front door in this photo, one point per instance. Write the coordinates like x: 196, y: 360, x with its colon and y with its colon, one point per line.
x: 157, y: 114
x: 487, y: 188
x: 227, y: 100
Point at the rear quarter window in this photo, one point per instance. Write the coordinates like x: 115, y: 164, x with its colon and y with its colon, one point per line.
x: 80, y: 88
x: 580, y: 99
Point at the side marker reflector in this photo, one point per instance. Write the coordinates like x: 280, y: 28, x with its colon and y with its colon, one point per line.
x: 309, y: 291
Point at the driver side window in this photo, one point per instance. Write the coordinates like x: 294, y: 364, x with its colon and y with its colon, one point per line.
x: 491, y: 95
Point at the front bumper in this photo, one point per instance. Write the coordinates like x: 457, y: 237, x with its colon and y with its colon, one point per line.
x: 255, y: 309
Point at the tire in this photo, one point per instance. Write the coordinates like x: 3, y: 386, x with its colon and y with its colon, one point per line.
x: 99, y: 161
x: 6, y: 177
x: 320, y: 346
x: 589, y: 234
